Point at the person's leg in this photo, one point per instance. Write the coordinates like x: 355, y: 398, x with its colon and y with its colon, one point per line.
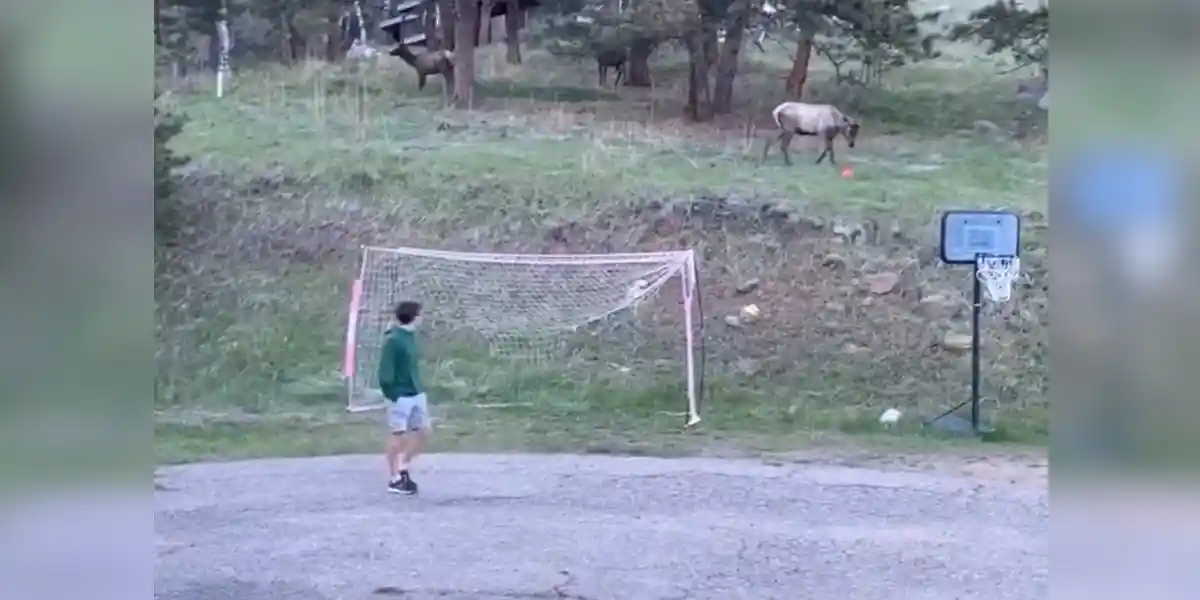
x: 396, y: 448
x: 398, y: 416
x: 415, y: 439
x: 419, y: 427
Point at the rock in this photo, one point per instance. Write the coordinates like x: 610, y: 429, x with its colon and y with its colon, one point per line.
x: 836, y: 308
x: 986, y: 127
x: 922, y: 168
x: 770, y: 211
x: 928, y: 256
x: 834, y: 261
x: 958, y: 342
x: 748, y: 367
x: 890, y: 417
x: 749, y: 314
x: 816, y: 223
x: 748, y: 286
x: 870, y: 232
x: 850, y: 233
x: 733, y: 321
x: 853, y: 349
x: 882, y: 283
x: 938, y: 306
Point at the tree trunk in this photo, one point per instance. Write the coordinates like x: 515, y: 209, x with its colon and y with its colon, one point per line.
x: 467, y: 26
x: 485, y: 23
x: 449, y: 18
x: 700, y: 56
x: 512, y: 31
x: 429, y: 24
x: 213, y: 52
x: 296, y: 41
x: 380, y: 12
x: 799, y: 74
x: 286, y: 54
x: 711, y: 44
x: 639, y: 64
x: 727, y: 62
x: 333, y: 39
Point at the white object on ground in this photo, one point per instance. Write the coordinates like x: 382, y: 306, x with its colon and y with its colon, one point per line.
x: 750, y: 312
x: 636, y: 290
x: 890, y: 416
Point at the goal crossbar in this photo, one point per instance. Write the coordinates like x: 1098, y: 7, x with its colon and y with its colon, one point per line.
x: 677, y: 256
x: 568, y: 291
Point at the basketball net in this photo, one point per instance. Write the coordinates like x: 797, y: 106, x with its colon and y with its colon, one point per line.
x: 997, y: 273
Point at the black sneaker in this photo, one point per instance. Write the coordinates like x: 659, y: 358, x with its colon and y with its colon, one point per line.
x: 407, y: 484
x: 403, y: 485
x: 396, y: 487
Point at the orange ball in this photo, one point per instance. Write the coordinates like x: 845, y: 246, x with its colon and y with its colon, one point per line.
x: 847, y: 173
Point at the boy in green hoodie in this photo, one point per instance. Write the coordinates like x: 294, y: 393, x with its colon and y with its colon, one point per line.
x: 407, y: 409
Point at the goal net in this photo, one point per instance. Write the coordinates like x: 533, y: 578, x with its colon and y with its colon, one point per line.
x: 490, y: 315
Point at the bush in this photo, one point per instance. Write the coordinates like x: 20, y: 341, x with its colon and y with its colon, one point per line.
x: 167, y: 125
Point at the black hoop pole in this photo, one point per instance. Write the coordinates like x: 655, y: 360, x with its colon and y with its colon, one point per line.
x: 976, y: 309
x: 996, y: 239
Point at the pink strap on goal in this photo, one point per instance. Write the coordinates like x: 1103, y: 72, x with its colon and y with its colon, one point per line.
x: 352, y: 330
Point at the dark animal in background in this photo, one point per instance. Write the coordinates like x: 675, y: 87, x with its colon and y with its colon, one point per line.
x: 820, y: 120
x: 438, y: 62
x: 611, y: 58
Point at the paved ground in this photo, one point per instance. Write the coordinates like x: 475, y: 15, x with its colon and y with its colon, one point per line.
x: 595, y: 528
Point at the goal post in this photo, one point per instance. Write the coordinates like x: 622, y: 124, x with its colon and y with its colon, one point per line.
x: 562, y: 312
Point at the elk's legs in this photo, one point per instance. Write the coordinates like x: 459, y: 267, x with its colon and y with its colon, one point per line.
x: 828, y: 150
x: 785, y: 140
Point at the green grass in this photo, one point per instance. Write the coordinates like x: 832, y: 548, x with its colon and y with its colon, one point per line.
x: 296, y: 169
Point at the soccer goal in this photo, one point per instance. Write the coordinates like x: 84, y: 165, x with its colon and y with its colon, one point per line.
x: 588, y: 314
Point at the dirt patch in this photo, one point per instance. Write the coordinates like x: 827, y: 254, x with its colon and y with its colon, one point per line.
x: 1022, y: 468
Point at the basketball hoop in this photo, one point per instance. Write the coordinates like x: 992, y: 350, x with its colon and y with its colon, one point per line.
x: 997, y: 273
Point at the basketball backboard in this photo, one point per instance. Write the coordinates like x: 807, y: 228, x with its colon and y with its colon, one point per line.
x: 966, y: 234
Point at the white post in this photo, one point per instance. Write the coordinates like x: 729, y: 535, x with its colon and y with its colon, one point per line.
x: 688, y: 280
x: 223, y: 70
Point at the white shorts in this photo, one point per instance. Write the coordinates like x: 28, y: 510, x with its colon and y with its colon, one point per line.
x: 408, y: 413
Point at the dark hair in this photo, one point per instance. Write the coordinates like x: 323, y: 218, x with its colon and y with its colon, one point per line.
x: 407, y: 312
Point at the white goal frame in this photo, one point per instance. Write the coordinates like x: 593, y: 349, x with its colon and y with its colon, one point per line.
x: 665, y: 267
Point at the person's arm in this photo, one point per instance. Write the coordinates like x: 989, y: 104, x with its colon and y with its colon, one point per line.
x: 390, y: 356
x: 411, y: 354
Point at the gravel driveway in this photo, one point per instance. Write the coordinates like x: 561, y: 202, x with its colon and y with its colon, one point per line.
x: 489, y: 527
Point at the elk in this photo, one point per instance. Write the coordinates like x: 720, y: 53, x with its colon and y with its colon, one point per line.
x: 820, y: 120
x: 611, y: 58
x: 438, y: 62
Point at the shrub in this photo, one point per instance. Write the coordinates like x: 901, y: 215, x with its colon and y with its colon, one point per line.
x: 167, y: 125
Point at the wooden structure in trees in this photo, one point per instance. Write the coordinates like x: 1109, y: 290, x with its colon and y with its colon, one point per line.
x: 408, y: 25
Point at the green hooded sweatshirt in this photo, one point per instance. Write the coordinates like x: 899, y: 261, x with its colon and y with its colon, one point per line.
x: 399, y: 374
